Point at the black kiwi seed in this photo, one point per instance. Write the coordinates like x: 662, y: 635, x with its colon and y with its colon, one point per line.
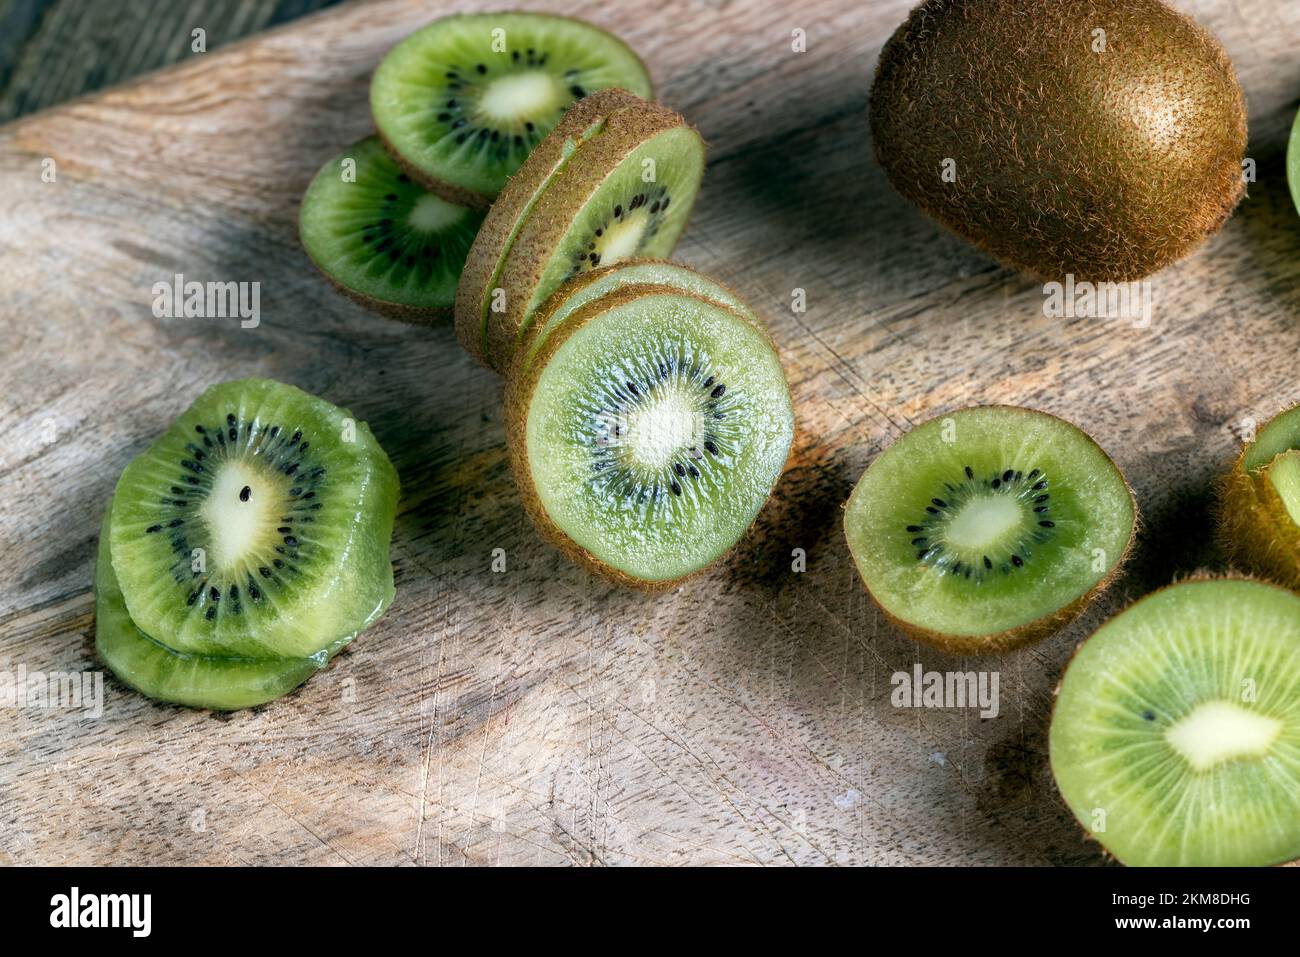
x: 245, y: 493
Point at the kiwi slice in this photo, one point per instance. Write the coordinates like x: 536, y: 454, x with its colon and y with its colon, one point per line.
x: 990, y: 527
x: 487, y: 257
x: 648, y: 432
x: 1259, y: 502
x: 1293, y: 162
x: 462, y: 102
x: 625, y: 194
x: 257, y: 526
x: 381, y: 238
x: 200, y: 681
x: 1175, y: 739
x: 591, y: 285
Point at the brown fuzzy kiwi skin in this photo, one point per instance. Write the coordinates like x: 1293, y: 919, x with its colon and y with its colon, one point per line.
x: 1032, y: 631
x: 1046, y: 183
x: 1203, y: 574
x: 517, y: 199
x: 521, y: 385
x: 1253, y: 527
x: 625, y: 130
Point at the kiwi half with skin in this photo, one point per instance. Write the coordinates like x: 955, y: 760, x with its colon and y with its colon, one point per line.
x: 486, y: 261
x: 1175, y: 738
x: 1259, y: 503
x: 626, y: 194
x: 648, y: 432
x: 381, y: 238
x: 257, y: 526
x: 987, y: 528
x: 462, y: 102
x: 1099, y: 138
x: 199, y: 681
x: 591, y: 285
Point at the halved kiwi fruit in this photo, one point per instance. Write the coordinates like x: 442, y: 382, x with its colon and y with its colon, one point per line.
x: 257, y: 526
x: 200, y: 681
x: 487, y: 257
x: 463, y: 101
x: 1259, y: 502
x: 1175, y: 739
x: 987, y: 528
x: 626, y: 193
x: 591, y: 285
x: 381, y: 238
x: 648, y: 432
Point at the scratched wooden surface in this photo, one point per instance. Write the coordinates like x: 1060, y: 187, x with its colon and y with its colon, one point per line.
x: 538, y: 715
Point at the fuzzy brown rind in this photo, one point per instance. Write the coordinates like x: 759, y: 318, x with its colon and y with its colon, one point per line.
x: 1254, y: 528
x: 1031, y: 631
x: 561, y: 205
x: 516, y: 201
x: 520, y: 387
x: 1203, y: 574
x: 1108, y: 166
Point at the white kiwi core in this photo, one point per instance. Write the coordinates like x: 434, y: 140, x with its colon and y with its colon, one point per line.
x: 240, y: 512
x: 517, y: 96
x: 430, y: 214
x: 1219, y: 731
x: 984, y: 522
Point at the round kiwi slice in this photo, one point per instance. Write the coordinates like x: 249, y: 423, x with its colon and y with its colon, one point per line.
x: 591, y: 285
x: 648, y: 432
x: 462, y: 102
x: 487, y: 257
x: 1259, y: 502
x: 381, y: 238
x: 1175, y: 739
x: 200, y: 681
x: 990, y: 527
x: 258, y: 525
x: 626, y: 194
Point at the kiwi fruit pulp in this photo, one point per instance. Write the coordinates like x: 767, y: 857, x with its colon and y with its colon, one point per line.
x: 381, y: 238
x: 463, y: 101
x: 256, y: 526
x: 626, y: 193
x: 648, y: 432
x: 1293, y: 162
x: 1100, y: 138
x: 200, y: 681
x: 592, y: 284
x: 481, y: 277
x: 1175, y: 738
x: 1259, y: 502
x: 990, y: 527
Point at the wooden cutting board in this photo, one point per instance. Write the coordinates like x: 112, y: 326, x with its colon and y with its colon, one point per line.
x: 538, y: 715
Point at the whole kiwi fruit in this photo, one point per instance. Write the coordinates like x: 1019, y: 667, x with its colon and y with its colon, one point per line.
x: 1102, y: 138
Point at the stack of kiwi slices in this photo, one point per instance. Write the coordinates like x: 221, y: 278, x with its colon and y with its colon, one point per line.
x: 988, y: 528
x: 244, y: 548
x: 458, y: 106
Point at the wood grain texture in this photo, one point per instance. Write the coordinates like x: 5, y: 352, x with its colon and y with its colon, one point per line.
x: 538, y: 716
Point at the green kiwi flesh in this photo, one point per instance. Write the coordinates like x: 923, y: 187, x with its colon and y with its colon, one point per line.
x: 989, y: 527
x: 463, y: 101
x: 199, y: 681
x: 1293, y: 162
x: 382, y: 238
x: 258, y: 526
x: 1175, y: 739
x: 626, y: 194
x: 591, y: 285
x: 649, y: 433
x: 1099, y: 138
x: 1259, y: 503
